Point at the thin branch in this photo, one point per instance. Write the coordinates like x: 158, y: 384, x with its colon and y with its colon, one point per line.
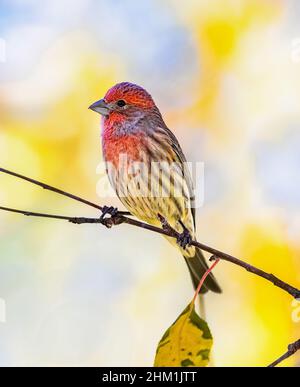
x: 292, y: 349
x: 226, y: 257
x: 56, y: 190
x: 36, y: 214
x: 205, y: 275
x: 72, y: 219
x: 167, y: 230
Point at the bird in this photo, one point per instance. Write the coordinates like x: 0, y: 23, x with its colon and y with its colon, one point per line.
x: 147, y: 168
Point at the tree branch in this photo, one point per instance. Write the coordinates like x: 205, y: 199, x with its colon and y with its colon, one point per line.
x: 292, y: 349
x: 56, y: 190
x: 166, y: 230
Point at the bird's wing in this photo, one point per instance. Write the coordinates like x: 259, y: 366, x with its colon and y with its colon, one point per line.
x: 185, y: 171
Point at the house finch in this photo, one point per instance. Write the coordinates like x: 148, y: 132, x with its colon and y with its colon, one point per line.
x: 146, y: 167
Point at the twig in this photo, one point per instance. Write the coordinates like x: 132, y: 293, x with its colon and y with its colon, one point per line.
x: 56, y: 190
x: 108, y: 222
x: 292, y: 349
x: 166, y: 230
x: 209, y: 270
x: 226, y: 257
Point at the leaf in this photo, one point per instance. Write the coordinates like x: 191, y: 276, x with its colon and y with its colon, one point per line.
x: 187, y: 343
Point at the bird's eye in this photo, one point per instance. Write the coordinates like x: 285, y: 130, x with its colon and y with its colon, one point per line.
x: 121, y: 103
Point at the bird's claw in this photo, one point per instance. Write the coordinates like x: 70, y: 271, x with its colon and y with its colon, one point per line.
x: 106, y: 210
x: 112, y: 211
x: 184, y: 239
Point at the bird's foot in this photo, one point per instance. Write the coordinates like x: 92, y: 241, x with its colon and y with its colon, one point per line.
x: 184, y: 239
x: 112, y: 211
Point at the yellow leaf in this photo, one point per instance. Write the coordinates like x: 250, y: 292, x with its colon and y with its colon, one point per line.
x: 187, y: 343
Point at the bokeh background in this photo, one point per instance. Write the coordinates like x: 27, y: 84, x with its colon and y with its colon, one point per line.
x: 226, y: 75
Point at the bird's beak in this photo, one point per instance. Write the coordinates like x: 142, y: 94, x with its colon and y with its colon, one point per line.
x: 100, y: 107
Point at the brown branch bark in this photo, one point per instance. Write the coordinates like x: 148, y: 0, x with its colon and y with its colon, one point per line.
x: 292, y: 349
x: 56, y: 190
x: 166, y: 230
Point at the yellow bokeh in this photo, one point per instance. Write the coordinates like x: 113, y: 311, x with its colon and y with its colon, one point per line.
x: 222, y: 74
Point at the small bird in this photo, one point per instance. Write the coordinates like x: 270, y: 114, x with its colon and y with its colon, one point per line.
x: 146, y: 167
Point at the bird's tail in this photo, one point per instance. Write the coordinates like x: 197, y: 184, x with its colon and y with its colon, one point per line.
x: 197, y: 267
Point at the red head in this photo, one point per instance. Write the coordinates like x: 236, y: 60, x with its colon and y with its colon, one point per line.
x: 124, y: 100
x: 130, y: 94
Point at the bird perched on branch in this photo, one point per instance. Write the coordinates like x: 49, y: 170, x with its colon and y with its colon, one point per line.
x: 147, y: 169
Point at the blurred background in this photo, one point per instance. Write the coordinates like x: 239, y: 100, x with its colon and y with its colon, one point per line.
x: 226, y: 76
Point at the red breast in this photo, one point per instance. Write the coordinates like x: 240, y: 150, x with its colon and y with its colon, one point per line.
x: 130, y: 145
